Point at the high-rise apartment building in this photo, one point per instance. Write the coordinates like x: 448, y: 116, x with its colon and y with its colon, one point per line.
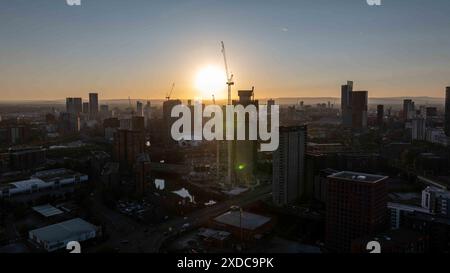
x: 245, y: 151
x: 359, y: 110
x: 356, y: 207
x: 93, y: 105
x: 128, y: 144
x: 346, y: 103
x: 288, y: 182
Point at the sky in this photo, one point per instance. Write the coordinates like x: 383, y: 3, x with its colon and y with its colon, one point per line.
x: 299, y: 48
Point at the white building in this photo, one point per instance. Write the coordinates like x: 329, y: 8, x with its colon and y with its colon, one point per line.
x: 397, y: 210
x: 437, y: 136
x: 44, y: 180
x: 436, y: 200
x: 57, y: 236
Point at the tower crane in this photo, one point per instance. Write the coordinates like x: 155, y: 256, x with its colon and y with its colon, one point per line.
x: 170, y: 92
x: 229, y: 84
x: 229, y: 77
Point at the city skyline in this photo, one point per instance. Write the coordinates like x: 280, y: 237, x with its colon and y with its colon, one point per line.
x: 294, y: 49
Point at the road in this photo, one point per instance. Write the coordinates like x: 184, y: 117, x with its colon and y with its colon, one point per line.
x: 151, y: 241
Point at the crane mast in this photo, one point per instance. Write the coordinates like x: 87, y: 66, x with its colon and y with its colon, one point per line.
x: 170, y: 92
x: 229, y: 144
x: 229, y: 77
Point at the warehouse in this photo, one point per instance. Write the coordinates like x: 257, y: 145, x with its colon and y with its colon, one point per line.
x: 57, y: 236
x: 243, y: 225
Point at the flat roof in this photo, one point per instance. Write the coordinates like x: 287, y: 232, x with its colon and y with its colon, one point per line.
x: 250, y: 221
x: 359, y: 177
x: 56, y: 174
x: 64, y: 230
x: 47, y: 210
x: 406, y: 207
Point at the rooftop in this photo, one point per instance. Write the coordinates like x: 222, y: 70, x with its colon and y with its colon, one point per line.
x: 361, y: 177
x: 55, y: 174
x: 250, y: 221
x: 47, y: 210
x: 63, y: 230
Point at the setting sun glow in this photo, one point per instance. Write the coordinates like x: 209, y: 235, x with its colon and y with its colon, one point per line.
x: 210, y: 81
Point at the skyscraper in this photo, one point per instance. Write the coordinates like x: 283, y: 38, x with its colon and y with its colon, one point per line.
x: 346, y: 104
x: 356, y: 207
x: 447, y: 111
x: 93, y: 105
x: 288, y: 181
x: 359, y: 109
x: 74, y: 105
x: 139, y: 109
x: 245, y: 151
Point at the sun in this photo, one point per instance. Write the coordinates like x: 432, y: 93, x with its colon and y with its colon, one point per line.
x: 211, y: 80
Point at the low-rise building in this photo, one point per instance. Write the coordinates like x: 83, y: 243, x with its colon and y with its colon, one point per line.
x: 54, y: 237
x: 41, y: 181
x: 243, y: 225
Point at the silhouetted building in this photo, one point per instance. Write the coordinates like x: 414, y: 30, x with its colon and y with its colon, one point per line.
x: 289, y: 181
x: 68, y: 123
x: 147, y: 114
x: 408, y: 109
x: 74, y: 105
x: 320, y: 184
x: 359, y: 110
x: 110, y: 176
x: 380, y: 114
x: 356, y: 207
x: 86, y: 108
x: 447, y: 111
x: 104, y: 111
x: 245, y: 151
x: 128, y: 144
x: 139, y: 109
x: 27, y: 158
x: 431, y: 112
x: 93, y: 105
x: 111, y: 123
x: 15, y: 134
x: 137, y: 123
x: 142, y: 172
x: 418, y: 131
x: 346, y: 104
